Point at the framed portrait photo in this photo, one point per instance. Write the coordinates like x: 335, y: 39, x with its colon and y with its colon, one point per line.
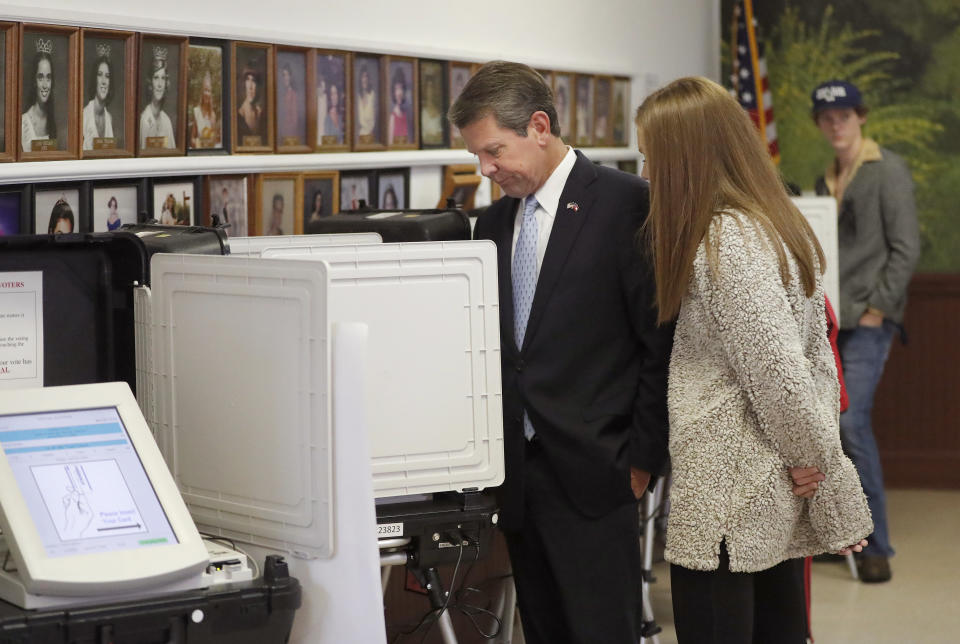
x: 563, y: 91
x: 433, y: 103
x: 334, y: 100
x: 358, y: 189
x: 459, y: 74
x: 228, y: 197
x: 403, y: 119
x: 60, y: 208
x: 48, y: 92
x: 115, y: 203
x: 252, y: 110
x: 321, y: 198
x: 9, y: 56
x: 393, y: 188
x: 369, y: 132
x: 279, y: 204
x: 162, y: 104
x: 208, y: 79
x: 294, y: 77
x: 584, y: 110
x: 107, y: 90
x: 173, y: 201
x: 603, y: 111
x: 621, y: 112
x: 14, y: 211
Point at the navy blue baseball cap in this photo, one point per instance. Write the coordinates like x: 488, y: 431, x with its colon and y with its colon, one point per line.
x: 836, y: 93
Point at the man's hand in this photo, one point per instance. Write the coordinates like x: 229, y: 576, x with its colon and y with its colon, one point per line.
x: 639, y: 480
x: 806, y: 480
x: 871, y: 319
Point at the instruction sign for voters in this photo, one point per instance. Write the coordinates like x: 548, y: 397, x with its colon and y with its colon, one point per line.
x: 21, y: 329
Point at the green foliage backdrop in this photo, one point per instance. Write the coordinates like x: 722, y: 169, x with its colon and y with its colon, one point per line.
x: 905, y: 58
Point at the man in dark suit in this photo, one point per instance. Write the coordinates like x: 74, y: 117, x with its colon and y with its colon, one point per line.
x: 584, y: 365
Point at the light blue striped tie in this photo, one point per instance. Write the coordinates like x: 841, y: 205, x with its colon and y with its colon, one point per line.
x: 525, y: 282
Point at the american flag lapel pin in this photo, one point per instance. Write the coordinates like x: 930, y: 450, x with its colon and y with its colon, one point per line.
x: 574, y: 206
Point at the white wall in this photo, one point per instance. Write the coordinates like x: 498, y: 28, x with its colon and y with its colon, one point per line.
x: 653, y: 41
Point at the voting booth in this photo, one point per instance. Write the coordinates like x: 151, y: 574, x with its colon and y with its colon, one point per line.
x: 233, y: 362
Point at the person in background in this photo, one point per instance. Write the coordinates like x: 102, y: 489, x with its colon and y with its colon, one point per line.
x: 584, y: 363
x: 155, y: 123
x: 38, y: 121
x: 753, y: 389
x: 879, y: 244
x: 61, y: 218
x: 276, y: 216
x: 97, y: 121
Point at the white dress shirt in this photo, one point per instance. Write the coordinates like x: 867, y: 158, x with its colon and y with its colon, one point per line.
x: 548, y: 199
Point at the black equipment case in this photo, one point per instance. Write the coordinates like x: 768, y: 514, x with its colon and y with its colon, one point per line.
x: 399, y: 225
x: 252, y: 612
x: 88, y: 280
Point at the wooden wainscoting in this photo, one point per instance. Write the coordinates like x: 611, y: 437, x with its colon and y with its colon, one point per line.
x: 917, y: 407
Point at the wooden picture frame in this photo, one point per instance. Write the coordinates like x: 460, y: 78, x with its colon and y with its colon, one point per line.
x: 460, y: 183
x: 9, y: 67
x: 326, y: 186
x: 252, y: 90
x: 110, y: 204
x: 15, y: 210
x: 173, y: 201
x: 393, y: 188
x: 583, y: 113
x: 108, y: 56
x: 48, y: 42
x: 603, y: 110
x: 622, y: 114
x: 402, y: 99
x: 296, y: 117
x: 458, y: 74
x: 46, y: 211
x: 228, y: 195
x: 434, y: 101
x: 162, y: 67
x: 369, y: 127
x: 288, y: 187
x: 333, y: 104
x: 208, y: 126
x: 564, y: 90
x: 358, y: 187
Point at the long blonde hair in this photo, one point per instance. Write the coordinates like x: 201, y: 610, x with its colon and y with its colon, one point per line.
x: 706, y: 157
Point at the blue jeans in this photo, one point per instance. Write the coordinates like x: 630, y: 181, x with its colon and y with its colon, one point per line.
x: 864, y: 351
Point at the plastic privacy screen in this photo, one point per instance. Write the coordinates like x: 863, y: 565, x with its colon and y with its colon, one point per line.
x: 242, y: 380
x: 434, y: 407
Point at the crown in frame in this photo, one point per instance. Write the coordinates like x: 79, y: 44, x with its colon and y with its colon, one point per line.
x: 160, y: 53
x: 103, y: 49
x: 44, y: 46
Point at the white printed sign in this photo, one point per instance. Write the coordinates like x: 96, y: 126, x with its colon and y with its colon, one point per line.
x: 21, y: 330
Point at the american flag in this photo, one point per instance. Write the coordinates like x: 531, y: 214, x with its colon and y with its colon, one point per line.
x: 750, y: 83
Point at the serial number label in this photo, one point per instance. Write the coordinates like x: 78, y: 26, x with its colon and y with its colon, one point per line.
x: 389, y: 530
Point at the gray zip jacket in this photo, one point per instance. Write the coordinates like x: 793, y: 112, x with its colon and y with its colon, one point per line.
x: 877, y: 233
x: 753, y: 391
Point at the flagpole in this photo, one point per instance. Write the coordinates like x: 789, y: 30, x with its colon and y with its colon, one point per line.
x: 755, y: 60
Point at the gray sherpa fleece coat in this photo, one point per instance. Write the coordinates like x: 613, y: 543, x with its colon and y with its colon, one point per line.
x: 753, y: 390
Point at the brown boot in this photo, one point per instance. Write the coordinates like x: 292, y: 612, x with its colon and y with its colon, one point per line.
x: 873, y: 569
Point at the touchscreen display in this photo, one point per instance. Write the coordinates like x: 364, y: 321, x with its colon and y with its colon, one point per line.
x: 83, y: 482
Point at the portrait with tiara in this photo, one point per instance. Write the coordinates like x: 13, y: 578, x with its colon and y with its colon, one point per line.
x: 104, y: 91
x: 160, y: 97
x: 45, y: 99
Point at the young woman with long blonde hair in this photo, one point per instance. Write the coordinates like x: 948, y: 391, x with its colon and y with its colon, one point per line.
x: 753, y: 392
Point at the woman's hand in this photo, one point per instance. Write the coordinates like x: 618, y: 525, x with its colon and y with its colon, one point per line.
x: 806, y: 481
x: 857, y: 547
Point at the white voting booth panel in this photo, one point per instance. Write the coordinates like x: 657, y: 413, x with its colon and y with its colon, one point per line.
x: 434, y: 410
x: 254, y: 246
x: 241, y: 408
x: 821, y: 214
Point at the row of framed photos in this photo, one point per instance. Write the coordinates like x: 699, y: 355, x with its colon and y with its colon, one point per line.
x: 72, y: 92
x: 256, y: 204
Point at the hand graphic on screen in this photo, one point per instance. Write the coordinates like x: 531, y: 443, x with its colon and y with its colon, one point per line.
x: 77, y: 514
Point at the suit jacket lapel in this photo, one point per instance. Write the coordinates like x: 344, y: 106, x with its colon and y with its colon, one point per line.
x: 505, y: 267
x: 566, y: 228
